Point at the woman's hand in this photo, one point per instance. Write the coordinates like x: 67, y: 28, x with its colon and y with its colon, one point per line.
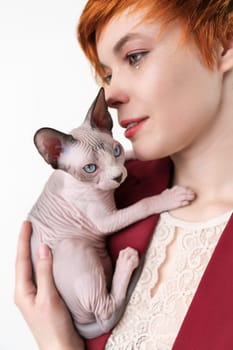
x: 42, y: 307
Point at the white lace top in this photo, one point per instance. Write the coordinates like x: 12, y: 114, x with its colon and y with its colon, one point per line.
x: 175, y: 262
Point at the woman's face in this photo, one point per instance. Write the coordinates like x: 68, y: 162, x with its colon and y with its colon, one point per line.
x: 165, y: 97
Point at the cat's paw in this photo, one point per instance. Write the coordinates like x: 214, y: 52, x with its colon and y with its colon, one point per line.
x: 177, y: 196
x: 127, y: 262
x: 128, y: 259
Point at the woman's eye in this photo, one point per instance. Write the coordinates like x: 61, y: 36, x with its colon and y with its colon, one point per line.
x: 90, y: 168
x: 135, y: 58
x: 117, y: 151
x: 107, y: 79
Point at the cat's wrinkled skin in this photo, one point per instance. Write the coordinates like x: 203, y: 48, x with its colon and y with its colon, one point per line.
x: 76, y: 211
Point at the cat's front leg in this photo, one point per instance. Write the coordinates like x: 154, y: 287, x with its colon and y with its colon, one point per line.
x: 175, y: 197
x: 127, y: 262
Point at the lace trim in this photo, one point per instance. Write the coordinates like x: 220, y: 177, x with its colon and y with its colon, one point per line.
x: 193, y: 224
x: 159, y: 302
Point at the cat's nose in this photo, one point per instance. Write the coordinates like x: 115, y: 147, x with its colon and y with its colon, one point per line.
x: 118, y: 178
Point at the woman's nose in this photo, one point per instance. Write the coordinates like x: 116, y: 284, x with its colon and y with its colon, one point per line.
x: 116, y: 96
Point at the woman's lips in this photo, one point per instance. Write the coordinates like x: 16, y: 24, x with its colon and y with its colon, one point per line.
x: 133, y: 126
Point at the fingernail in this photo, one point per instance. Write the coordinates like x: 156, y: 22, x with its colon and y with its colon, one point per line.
x: 43, y: 252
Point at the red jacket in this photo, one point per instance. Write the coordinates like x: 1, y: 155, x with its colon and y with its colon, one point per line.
x: 208, y: 324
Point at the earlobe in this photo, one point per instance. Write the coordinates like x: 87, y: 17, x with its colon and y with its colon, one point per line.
x: 226, y: 59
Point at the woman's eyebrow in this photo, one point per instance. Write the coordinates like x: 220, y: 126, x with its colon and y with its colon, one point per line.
x: 121, y: 42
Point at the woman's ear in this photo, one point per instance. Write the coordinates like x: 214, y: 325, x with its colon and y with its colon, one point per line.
x: 226, y: 57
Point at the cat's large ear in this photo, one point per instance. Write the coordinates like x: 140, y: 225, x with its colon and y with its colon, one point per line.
x: 98, y: 115
x: 51, y: 143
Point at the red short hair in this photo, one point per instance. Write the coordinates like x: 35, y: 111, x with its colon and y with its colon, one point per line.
x: 209, y: 21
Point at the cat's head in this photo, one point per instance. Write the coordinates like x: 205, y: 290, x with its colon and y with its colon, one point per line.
x: 88, y: 153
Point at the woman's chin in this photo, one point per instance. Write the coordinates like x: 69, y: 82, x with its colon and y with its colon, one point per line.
x: 143, y: 155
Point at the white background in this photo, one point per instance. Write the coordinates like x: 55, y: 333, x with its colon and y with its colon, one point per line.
x: 45, y: 80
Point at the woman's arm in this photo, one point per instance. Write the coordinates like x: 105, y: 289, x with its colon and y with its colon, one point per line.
x: 42, y: 307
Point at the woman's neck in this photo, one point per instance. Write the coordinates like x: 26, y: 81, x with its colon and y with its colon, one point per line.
x: 207, y: 168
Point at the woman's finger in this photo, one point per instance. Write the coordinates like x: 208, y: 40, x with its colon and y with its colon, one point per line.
x: 44, y: 273
x: 24, y: 285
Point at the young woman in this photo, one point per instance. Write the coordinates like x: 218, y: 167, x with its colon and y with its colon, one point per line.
x: 167, y: 67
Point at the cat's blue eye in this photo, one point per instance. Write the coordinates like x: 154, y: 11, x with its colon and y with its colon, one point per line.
x: 90, y: 168
x: 117, y: 151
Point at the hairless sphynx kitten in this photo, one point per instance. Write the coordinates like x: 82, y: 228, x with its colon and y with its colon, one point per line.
x: 76, y: 211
